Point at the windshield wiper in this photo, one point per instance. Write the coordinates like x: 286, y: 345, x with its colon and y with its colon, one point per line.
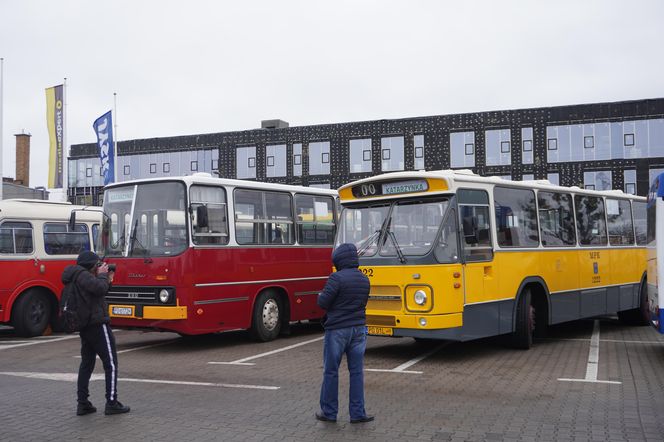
x: 400, y: 254
x: 133, y: 238
x: 368, y: 242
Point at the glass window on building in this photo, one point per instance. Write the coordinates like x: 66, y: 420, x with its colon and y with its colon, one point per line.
x: 554, y: 178
x: 418, y: 145
x: 600, y: 180
x: 360, y: 155
x: 629, y: 179
x: 245, y: 162
x: 652, y: 173
x: 320, y: 185
x: 527, y: 145
x: 319, y: 158
x: 498, y: 149
x: 462, y: 149
x: 392, y: 156
x: 127, y: 169
x: 153, y: 167
x: 275, y: 160
x: 297, y: 159
x: 527, y: 177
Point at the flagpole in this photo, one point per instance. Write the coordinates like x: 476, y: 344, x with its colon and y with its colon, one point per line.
x: 2, y: 67
x: 65, y: 148
x: 115, y: 137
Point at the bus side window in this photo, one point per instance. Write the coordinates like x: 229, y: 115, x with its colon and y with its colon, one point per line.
x: 16, y: 237
x: 476, y: 233
x: 446, y: 250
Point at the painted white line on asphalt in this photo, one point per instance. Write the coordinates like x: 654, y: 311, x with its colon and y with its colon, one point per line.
x: 35, y: 342
x: 589, y: 381
x: 414, y: 361
x: 139, y: 348
x: 385, y: 370
x: 279, y: 350
x: 593, y: 354
x: 72, y: 377
x: 593, y: 360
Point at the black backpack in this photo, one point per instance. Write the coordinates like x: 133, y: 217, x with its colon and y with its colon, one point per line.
x: 74, y: 310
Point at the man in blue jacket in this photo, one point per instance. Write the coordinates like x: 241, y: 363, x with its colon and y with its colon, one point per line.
x: 345, y: 299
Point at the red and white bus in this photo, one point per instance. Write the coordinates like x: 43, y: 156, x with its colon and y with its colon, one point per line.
x: 199, y: 254
x: 36, y: 244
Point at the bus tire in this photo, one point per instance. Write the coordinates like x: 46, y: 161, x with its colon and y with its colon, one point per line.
x: 31, y: 314
x: 267, y: 317
x: 524, y: 326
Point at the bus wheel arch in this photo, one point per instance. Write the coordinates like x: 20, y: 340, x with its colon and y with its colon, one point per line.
x: 531, y: 313
x: 33, y: 310
x: 269, y: 313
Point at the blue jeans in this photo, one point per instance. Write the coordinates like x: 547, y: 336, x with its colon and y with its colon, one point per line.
x: 352, y: 341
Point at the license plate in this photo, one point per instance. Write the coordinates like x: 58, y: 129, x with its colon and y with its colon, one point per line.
x: 380, y: 331
x: 122, y: 311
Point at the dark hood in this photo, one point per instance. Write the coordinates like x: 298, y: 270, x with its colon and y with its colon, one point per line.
x: 71, y: 271
x: 345, y: 257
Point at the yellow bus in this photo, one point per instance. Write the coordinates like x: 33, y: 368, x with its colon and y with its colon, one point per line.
x: 452, y: 255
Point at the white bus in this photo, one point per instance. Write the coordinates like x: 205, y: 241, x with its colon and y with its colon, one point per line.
x: 36, y: 244
x: 655, y: 248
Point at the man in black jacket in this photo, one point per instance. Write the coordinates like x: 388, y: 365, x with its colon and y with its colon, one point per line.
x: 345, y: 299
x: 93, y: 280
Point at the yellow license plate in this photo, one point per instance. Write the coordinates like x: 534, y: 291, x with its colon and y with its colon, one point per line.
x: 122, y: 311
x: 380, y: 331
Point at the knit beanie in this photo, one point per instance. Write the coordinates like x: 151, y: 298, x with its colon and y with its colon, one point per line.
x: 87, y: 259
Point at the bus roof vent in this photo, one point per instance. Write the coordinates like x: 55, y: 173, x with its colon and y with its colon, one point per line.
x: 202, y: 175
x: 464, y: 172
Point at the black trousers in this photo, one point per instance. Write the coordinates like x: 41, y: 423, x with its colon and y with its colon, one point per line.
x: 98, y: 340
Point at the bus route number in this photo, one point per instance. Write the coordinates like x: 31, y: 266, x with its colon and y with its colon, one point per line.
x: 368, y: 272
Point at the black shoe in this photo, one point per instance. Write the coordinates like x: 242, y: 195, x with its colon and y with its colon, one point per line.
x: 322, y: 417
x: 361, y: 420
x: 116, y: 408
x: 84, y: 408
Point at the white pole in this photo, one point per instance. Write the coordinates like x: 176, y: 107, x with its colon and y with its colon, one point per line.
x: 2, y: 66
x: 65, y: 148
x: 115, y: 137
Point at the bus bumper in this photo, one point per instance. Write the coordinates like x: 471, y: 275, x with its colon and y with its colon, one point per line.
x: 418, y: 326
x: 147, y: 312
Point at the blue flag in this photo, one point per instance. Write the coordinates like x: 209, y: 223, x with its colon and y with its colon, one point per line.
x: 103, y: 127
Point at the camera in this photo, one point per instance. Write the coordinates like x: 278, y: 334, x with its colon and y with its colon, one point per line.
x: 111, y: 267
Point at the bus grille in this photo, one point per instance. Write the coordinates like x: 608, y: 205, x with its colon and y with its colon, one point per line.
x: 132, y: 295
x: 385, y: 297
x: 381, y: 320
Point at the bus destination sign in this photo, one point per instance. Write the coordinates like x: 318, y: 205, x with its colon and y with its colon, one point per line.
x: 390, y: 188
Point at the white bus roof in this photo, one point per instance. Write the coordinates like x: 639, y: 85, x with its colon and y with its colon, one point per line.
x: 46, y: 210
x: 206, y: 178
x: 456, y: 177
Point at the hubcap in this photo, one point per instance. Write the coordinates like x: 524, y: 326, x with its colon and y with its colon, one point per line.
x: 37, y: 311
x: 270, y: 314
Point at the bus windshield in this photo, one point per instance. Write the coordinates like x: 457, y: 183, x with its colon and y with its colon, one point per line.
x: 402, y: 228
x: 145, y: 220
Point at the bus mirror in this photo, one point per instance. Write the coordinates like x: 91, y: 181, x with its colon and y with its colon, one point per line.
x: 72, y: 221
x: 201, y: 216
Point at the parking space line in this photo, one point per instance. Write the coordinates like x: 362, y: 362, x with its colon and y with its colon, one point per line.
x: 402, y: 368
x: 35, y: 342
x: 72, y: 377
x: 593, y: 360
x: 140, y: 348
x: 243, y: 361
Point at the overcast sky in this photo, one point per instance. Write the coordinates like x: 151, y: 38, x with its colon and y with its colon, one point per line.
x: 189, y: 67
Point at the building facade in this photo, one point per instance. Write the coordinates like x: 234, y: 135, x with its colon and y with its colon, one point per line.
x: 601, y: 146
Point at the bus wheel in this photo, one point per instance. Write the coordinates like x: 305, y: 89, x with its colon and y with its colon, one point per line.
x: 31, y: 314
x: 266, y: 321
x: 522, y: 337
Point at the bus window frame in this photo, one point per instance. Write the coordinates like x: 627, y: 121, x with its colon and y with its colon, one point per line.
x: 32, y: 234
x: 464, y: 247
x: 190, y: 205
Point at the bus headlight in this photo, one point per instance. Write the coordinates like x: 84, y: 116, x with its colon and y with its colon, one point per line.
x: 420, y: 297
x: 164, y: 296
